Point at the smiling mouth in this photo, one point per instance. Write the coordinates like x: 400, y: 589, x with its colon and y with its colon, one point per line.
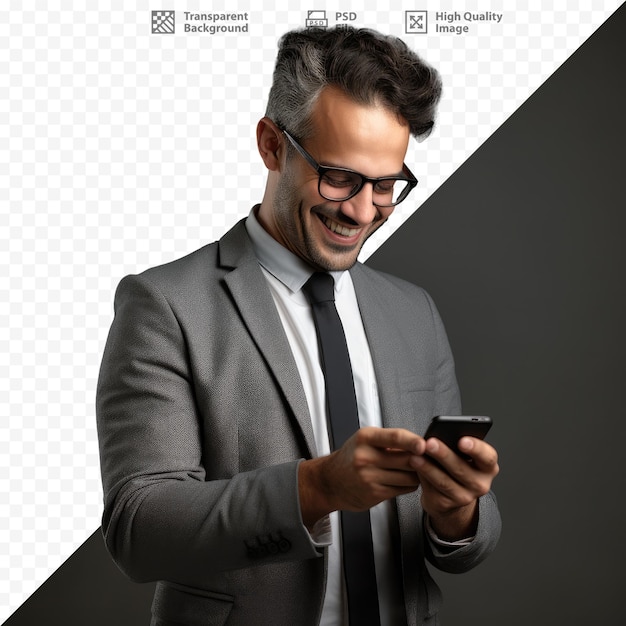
x: 338, y: 228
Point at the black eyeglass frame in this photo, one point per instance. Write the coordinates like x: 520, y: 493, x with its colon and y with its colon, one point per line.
x: 323, y: 169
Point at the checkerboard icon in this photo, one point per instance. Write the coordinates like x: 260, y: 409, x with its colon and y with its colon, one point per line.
x: 416, y: 22
x: 163, y: 22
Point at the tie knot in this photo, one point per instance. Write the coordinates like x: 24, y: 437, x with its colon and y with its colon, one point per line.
x: 320, y: 288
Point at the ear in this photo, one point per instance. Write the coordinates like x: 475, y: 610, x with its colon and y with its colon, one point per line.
x: 270, y: 143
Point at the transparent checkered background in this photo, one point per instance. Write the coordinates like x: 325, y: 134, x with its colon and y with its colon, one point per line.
x: 120, y: 149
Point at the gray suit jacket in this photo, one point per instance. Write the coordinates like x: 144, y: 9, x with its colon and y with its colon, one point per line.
x: 202, y: 422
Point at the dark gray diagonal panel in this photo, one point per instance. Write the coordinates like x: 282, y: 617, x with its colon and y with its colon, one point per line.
x: 523, y: 250
x: 87, y: 590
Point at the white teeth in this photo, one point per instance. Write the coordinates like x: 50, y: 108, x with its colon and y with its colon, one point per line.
x: 338, y: 228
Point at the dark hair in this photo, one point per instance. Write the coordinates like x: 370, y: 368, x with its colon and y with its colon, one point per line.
x: 371, y: 68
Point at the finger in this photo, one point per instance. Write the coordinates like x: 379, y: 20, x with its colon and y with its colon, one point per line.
x: 366, y: 458
x: 436, y: 480
x: 484, y: 456
x: 387, y: 484
x: 445, y: 457
x: 435, y: 468
x: 393, y: 459
x: 448, y: 472
x: 392, y: 438
x: 397, y: 478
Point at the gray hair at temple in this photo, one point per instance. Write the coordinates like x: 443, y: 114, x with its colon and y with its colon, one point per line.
x: 371, y: 68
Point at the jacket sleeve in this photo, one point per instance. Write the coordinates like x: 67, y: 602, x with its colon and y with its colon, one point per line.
x: 163, y: 520
x: 447, y: 402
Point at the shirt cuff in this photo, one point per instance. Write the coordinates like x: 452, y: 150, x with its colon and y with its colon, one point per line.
x: 321, y: 533
x: 442, y: 542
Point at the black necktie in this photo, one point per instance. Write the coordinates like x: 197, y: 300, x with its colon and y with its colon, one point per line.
x: 343, y: 418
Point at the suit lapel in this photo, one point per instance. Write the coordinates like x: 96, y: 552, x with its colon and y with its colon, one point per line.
x: 382, y: 341
x: 251, y: 294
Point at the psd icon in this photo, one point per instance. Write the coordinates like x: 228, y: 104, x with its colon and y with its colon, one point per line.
x: 163, y: 22
x: 416, y: 22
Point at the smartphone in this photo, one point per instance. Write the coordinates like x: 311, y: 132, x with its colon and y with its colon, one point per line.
x: 450, y: 428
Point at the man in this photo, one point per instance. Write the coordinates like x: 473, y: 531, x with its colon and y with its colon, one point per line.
x: 221, y: 479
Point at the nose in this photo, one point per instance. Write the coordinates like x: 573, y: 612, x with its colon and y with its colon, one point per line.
x: 361, y: 208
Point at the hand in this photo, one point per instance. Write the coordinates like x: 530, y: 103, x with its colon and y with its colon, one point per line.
x: 372, y: 466
x: 451, y: 486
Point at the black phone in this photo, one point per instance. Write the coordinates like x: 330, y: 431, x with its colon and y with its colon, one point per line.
x: 450, y: 428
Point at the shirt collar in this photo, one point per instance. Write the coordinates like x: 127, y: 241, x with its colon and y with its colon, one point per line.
x: 281, y: 263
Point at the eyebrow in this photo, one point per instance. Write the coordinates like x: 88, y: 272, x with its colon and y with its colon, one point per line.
x: 307, y: 155
x: 343, y: 167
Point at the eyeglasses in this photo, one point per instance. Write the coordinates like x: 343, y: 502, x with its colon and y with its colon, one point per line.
x: 339, y: 183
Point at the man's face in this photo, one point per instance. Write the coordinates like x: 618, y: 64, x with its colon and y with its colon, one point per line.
x: 326, y: 234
